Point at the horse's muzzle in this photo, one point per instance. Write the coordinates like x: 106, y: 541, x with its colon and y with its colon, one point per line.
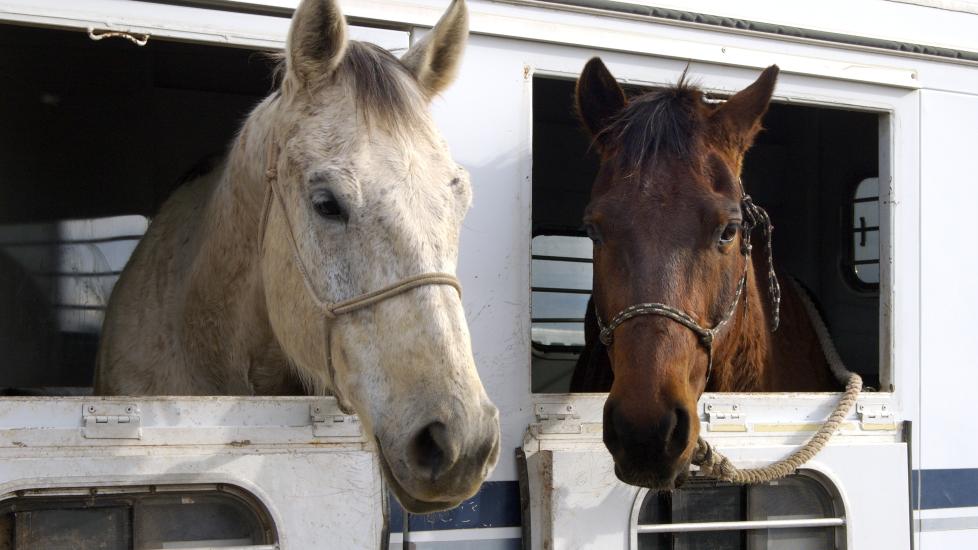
x: 444, y: 462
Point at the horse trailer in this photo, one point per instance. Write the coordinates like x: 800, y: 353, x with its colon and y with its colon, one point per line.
x: 108, y: 104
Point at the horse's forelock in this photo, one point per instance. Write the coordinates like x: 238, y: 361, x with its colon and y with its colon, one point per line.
x: 383, y: 89
x: 660, y: 122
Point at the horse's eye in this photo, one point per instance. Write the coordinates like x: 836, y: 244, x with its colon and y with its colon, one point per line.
x: 593, y: 233
x: 327, y: 206
x: 729, y: 233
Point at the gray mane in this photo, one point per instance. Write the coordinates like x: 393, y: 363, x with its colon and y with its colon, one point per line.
x: 383, y: 88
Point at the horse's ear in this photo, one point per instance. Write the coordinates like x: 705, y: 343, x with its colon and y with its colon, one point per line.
x: 742, y: 113
x: 317, y: 41
x: 599, y: 97
x: 434, y: 60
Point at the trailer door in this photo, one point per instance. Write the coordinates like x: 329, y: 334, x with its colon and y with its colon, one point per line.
x: 119, y: 473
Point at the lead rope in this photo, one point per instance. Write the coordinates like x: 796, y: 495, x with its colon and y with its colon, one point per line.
x: 715, y: 465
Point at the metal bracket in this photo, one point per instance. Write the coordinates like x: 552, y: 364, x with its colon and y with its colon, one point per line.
x: 553, y: 417
x: 875, y: 416
x: 725, y: 417
x: 326, y: 424
x: 139, y: 39
x: 555, y: 411
x: 111, y: 421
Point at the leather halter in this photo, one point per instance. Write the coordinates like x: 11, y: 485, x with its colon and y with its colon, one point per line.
x: 753, y: 216
x: 332, y: 310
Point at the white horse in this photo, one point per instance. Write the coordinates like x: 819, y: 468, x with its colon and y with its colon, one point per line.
x: 338, y: 186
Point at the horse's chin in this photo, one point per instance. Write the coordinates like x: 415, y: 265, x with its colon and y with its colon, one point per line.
x: 408, y: 502
x: 652, y: 481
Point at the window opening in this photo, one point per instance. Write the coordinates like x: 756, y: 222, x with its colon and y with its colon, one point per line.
x: 865, y: 257
x: 800, y: 169
x: 561, y: 286
x: 87, y: 155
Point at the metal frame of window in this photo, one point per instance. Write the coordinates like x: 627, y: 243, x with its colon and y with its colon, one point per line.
x: 130, y: 497
x: 838, y: 521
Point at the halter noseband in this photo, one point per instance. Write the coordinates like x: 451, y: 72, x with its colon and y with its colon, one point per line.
x: 753, y: 216
x: 332, y: 310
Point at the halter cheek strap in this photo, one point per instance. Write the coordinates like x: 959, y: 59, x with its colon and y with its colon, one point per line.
x: 332, y: 310
x: 753, y: 216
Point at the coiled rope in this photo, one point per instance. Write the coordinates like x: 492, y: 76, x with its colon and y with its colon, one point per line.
x: 715, y: 465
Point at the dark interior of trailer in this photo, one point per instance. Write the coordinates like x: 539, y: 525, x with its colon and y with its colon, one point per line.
x: 95, y: 136
x: 813, y: 168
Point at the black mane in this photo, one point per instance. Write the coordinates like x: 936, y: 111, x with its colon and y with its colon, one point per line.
x: 662, y: 121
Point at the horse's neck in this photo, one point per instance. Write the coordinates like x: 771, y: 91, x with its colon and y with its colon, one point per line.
x: 224, y: 288
x: 592, y: 373
x: 742, y: 355
x: 797, y: 360
x: 756, y: 359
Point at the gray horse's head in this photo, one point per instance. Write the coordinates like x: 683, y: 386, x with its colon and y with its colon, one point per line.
x: 371, y: 193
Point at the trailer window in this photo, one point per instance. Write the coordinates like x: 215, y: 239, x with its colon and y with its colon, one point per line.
x: 141, y: 518
x: 561, y: 271
x: 864, y: 260
x: 796, y: 513
x: 55, y: 282
x: 801, y: 169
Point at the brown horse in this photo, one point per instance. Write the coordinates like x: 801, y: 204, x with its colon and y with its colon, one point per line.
x: 680, y: 304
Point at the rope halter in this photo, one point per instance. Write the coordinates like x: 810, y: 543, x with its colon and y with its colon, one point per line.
x: 753, y: 216
x: 332, y: 310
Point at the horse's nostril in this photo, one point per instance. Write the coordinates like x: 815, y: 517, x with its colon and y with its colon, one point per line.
x: 429, y: 449
x: 680, y: 432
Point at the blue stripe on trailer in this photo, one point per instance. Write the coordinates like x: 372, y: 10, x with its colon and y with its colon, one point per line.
x: 948, y: 488
x: 497, y: 504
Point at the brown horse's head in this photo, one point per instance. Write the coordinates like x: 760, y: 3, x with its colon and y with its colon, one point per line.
x: 665, y: 217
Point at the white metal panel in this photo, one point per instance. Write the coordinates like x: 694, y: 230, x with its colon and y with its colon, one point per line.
x: 580, y: 504
x: 485, y: 117
x: 880, y: 19
x: 949, y: 368
x: 547, y: 25
x: 966, y: 6
x: 316, y: 488
x: 175, y: 22
x: 203, y: 20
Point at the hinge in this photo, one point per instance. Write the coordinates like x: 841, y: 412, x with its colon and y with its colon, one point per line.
x: 329, y: 424
x: 555, y: 411
x: 875, y: 416
x: 725, y: 417
x: 111, y: 421
x: 554, y: 417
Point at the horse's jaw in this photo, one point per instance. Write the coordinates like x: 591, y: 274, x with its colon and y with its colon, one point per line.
x: 654, y: 482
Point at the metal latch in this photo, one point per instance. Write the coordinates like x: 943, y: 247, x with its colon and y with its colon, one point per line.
x: 329, y: 424
x: 875, y: 416
x: 725, y: 417
x: 111, y: 421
